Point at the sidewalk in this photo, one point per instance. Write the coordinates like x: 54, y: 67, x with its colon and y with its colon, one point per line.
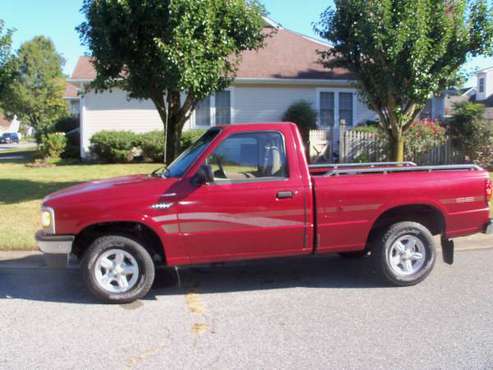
x: 34, y: 259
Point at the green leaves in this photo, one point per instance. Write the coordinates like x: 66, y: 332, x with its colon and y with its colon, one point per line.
x: 35, y: 94
x: 159, y: 48
x: 184, y: 45
x: 7, y: 69
x: 403, y: 51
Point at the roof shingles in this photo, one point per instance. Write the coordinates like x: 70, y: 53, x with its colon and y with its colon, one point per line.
x: 286, y: 55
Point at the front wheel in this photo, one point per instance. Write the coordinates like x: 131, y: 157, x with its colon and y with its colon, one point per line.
x: 117, y: 269
x: 405, y: 253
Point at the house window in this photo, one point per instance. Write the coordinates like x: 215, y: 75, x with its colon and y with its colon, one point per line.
x: 334, y: 106
x: 223, y: 107
x: 214, y: 110
x: 203, y: 113
x: 346, y: 108
x: 327, y: 104
x: 481, y: 85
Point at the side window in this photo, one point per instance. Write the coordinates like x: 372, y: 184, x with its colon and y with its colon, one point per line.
x: 249, y: 157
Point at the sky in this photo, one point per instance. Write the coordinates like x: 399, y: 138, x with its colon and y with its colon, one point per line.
x: 57, y: 19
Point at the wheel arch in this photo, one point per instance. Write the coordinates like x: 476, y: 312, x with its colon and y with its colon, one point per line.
x: 430, y: 216
x: 138, y: 230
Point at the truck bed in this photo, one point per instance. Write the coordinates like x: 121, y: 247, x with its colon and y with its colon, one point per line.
x: 350, y: 198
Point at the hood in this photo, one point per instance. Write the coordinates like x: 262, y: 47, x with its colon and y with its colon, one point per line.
x: 113, y: 188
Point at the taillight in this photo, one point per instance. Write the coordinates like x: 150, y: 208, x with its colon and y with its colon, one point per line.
x: 488, y: 190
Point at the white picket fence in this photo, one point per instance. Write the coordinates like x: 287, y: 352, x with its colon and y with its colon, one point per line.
x: 357, y: 146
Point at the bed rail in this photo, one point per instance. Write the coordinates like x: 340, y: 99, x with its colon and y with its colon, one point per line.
x: 368, y: 164
x: 386, y: 170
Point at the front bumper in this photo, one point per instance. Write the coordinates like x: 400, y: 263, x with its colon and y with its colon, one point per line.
x: 488, y: 229
x: 56, y: 248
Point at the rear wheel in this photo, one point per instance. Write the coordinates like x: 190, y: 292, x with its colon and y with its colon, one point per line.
x: 405, y: 253
x: 117, y: 269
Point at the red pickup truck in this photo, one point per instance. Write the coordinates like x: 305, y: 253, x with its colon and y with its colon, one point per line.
x: 246, y: 192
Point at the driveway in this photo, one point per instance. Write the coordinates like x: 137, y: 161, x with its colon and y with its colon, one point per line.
x: 295, y: 313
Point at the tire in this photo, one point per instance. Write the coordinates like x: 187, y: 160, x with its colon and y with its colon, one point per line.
x: 110, y: 261
x: 354, y: 255
x: 395, y: 258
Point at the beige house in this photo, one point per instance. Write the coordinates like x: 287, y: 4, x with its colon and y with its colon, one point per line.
x: 285, y: 71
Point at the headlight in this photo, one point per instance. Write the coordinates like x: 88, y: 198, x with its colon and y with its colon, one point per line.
x: 48, y: 219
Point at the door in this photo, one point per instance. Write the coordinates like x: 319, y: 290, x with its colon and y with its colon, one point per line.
x: 253, y: 208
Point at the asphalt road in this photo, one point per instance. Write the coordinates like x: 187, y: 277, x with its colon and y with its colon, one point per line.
x: 298, y: 313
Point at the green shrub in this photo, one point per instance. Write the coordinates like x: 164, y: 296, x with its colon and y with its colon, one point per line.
x: 72, y: 150
x: 304, y: 116
x: 189, y: 137
x: 52, y: 145
x: 152, y: 145
x: 471, y: 133
x: 115, y: 146
x: 66, y: 124
x: 422, y: 137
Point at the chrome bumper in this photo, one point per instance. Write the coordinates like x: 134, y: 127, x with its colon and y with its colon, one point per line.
x: 56, y: 248
x: 489, y: 227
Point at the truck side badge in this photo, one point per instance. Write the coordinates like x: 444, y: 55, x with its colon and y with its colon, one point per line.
x: 162, y: 205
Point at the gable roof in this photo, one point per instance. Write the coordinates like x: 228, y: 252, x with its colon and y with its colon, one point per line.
x: 286, y: 55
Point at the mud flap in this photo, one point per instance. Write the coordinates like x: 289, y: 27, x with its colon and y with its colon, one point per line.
x: 448, y: 250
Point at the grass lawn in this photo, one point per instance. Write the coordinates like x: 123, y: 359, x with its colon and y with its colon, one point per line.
x: 22, y: 189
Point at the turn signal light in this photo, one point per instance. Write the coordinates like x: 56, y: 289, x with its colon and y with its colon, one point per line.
x: 489, y: 190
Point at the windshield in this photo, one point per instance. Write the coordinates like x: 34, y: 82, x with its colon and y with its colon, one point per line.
x: 178, y: 167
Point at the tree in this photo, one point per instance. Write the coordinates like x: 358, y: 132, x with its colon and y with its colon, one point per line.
x: 472, y: 133
x: 401, y: 52
x: 174, y: 53
x: 305, y: 117
x: 6, y: 65
x: 35, y: 95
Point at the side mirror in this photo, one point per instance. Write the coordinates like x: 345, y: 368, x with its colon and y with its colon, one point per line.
x: 203, y: 176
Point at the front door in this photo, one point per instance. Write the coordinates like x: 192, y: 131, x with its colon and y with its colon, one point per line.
x: 253, y: 208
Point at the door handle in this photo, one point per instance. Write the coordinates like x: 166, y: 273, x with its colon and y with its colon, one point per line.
x: 285, y: 195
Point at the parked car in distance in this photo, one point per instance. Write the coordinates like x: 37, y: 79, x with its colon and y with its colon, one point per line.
x: 9, y: 138
x: 246, y: 192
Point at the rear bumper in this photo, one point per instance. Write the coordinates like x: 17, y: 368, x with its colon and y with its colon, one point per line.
x: 488, y: 229
x: 56, y: 248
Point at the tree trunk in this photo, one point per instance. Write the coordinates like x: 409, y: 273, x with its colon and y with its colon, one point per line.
x: 173, y: 115
x: 397, y: 145
x: 172, y: 146
x: 163, y: 114
x: 175, y: 125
